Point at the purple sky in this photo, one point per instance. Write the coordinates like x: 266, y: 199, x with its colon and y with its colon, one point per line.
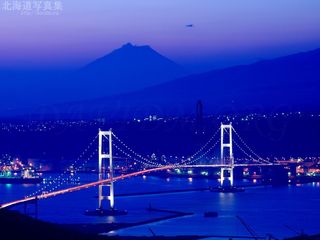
x: 224, y: 33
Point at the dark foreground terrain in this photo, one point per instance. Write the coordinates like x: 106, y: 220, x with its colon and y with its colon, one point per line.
x: 14, y: 225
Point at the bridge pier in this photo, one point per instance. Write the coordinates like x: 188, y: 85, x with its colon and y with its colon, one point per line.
x: 227, y: 161
x: 106, y: 190
x: 226, y: 177
x: 226, y: 173
x: 35, y: 212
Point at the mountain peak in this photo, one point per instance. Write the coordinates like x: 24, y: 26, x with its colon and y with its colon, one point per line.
x: 128, y: 45
x: 131, y: 67
x: 131, y: 47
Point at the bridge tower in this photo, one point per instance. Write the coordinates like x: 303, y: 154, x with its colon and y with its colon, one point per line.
x: 106, y: 190
x: 226, y: 154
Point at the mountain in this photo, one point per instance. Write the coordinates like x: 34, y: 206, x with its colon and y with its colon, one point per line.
x: 290, y: 83
x: 129, y: 68
x: 125, y: 69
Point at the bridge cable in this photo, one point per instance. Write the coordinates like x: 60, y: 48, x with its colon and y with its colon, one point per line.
x: 59, y: 180
x: 247, y: 146
x: 133, y: 158
x: 250, y: 156
x: 132, y: 151
x: 189, y: 160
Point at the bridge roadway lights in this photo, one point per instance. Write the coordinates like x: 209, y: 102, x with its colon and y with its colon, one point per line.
x: 106, y: 190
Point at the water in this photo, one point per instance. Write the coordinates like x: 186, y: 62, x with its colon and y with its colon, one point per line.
x: 266, y: 209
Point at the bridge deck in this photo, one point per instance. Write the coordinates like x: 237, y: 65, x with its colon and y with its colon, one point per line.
x: 93, y: 184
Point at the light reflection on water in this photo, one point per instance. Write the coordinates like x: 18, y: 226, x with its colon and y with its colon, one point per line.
x: 265, y: 209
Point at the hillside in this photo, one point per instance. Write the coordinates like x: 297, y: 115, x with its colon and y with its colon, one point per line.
x: 282, y: 84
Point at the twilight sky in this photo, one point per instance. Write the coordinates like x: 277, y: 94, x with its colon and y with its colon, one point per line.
x: 224, y: 33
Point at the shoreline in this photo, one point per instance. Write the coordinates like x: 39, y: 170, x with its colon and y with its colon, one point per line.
x: 105, y: 228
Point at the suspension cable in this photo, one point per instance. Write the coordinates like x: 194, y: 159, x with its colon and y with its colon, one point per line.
x: 205, y: 145
x: 133, y: 158
x: 248, y: 155
x: 247, y: 146
x: 189, y: 160
x: 131, y: 150
x: 59, y: 180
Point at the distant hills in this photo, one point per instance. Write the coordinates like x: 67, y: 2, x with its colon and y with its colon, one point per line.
x: 290, y: 83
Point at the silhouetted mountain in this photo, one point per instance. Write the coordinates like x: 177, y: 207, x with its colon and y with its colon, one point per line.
x: 125, y: 69
x: 282, y: 84
x: 129, y: 68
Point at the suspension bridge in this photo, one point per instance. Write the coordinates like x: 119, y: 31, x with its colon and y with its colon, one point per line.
x: 108, y: 142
